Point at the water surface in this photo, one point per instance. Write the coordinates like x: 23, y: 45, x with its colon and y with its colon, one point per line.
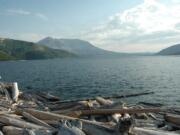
x: 80, y: 78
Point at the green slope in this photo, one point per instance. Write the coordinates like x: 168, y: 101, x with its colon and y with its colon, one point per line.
x: 5, y: 56
x: 15, y: 49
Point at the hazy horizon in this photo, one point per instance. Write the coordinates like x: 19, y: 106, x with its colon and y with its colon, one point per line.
x: 121, y: 26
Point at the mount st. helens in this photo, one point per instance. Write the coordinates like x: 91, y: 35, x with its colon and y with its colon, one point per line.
x: 80, y: 47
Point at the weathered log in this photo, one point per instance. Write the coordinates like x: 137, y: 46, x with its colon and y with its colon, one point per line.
x: 48, y: 96
x: 8, y: 97
x: 37, y: 132
x: 115, y: 105
x: 140, y: 115
x: 173, y: 118
x: 113, y: 111
x: 88, y: 104
x: 4, y: 112
x: 93, y: 129
x: 12, y: 115
x: 70, y: 128
x: 51, y: 117
x: 143, y: 131
x: 27, y: 104
x: 109, y: 97
x: 35, y: 120
x: 103, y: 101
x: 65, y: 106
x: 87, y: 125
x: 42, y: 115
x: 68, y: 110
x: 146, y: 123
x: 19, y: 123
x: 151, y: 104
x: 55, y: 123
x: 52, y: 122
x: 10, y: 130
x: 106, y: 102
x: 152, y: 116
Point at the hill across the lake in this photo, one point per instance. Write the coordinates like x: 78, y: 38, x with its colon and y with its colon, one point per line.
x: 172, y: 50
x: 22, y: 50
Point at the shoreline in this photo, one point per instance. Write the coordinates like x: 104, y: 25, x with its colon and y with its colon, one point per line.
x: 45, y: 114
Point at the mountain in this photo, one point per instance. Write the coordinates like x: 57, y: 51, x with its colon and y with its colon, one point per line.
x: 76, y: 46
x: 16, y: 50
x: 172, y: 50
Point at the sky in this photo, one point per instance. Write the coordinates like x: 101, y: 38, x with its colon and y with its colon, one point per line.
x: 116, y: 25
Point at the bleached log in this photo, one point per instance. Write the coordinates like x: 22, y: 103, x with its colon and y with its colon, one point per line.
x: 1, y: 133
x: 106, y: 102
x: 152, y: 116
x: 143, y: 131
x: 19, y: 123
x: 103, y: 101
x: 50, y: 118
x: 4, y: 112
x: 113, y: 111
x: 15, y: 92
x: 66, y: 127
x: 35, y: 120
x: 88, y: 126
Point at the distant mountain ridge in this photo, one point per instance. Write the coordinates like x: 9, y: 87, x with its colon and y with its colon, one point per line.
x: 172, y: 50
x: 76, y: 46
x: 11, y: 49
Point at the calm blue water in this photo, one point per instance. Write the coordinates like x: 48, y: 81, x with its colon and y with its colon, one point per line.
x: 80, y: 78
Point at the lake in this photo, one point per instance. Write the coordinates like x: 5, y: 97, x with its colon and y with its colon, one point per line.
x: 80, y: 78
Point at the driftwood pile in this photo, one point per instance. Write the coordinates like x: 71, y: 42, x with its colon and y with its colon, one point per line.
x: 39, y: 113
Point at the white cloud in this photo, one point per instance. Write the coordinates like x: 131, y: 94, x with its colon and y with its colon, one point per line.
x: 18, y: 11
x: 42, y: 16
x: 176, y: 1
x: 149, y: 26
x: 32, y: 37
x: 27, y: 13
